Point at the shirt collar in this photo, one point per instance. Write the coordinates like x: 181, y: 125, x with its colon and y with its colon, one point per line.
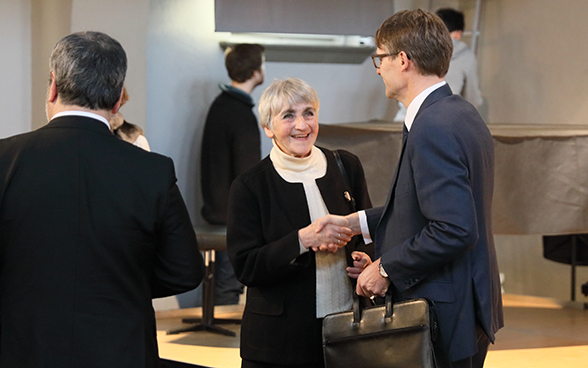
x: 82, y: 113
x: 415, y: 105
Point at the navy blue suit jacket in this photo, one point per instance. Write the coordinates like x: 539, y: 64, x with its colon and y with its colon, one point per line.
x: 435, y: 234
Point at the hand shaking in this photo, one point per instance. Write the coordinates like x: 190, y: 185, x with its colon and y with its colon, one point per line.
x: 326, y: 234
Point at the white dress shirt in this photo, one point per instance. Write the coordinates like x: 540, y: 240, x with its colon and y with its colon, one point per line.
x: 82, y: 113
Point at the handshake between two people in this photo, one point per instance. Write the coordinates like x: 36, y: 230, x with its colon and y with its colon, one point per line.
x: 329, y: 233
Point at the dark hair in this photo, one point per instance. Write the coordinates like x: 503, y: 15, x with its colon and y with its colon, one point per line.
x: 452, y: 18
x: 89, y: 69
x: 422, y: 36
x: 243, y: 60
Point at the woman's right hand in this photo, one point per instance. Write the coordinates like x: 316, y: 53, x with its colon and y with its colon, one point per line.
x: 360, y: 261
x: 328, y: 233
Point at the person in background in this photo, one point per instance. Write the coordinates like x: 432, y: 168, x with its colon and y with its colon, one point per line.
x: 230, y: 146
x: 126, y: 131
x: 84, y: 244
x: 272, y: 237
x: 434, y: 237
x: 462, y: 75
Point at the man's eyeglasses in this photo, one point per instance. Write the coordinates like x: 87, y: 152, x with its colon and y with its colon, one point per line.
x: 377, y: 58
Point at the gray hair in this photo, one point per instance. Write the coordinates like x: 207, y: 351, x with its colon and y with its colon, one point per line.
x: 291, y: 91
x: 89, y: 69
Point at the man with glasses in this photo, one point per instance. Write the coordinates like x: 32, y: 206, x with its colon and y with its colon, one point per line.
x: 434, y: 236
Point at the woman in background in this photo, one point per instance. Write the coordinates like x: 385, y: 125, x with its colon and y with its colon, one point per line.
x: 272, y: 238
x: 126, y: 131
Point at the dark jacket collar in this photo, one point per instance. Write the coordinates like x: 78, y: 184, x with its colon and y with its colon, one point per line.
x: 79, y: 122
x: 436, y: 95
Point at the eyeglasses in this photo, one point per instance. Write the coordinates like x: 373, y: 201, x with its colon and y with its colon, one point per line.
x: 377, y: 58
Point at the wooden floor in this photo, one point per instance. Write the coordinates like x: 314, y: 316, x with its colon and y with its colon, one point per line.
x: 539, y: 333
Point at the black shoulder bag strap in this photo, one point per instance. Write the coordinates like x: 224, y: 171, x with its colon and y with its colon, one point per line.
x: 348, y: 193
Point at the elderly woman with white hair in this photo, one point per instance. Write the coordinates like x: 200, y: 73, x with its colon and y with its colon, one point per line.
x: 276, y: 212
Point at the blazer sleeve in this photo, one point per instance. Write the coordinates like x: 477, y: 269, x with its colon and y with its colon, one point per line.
x: 256, y: 260
x: 178, y: 263
x: 373, y: 217
x: 446, y: 201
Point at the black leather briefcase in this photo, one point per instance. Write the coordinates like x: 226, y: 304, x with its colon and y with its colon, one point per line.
x: 394, y: 335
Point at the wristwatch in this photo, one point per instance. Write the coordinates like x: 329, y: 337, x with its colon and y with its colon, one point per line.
x: 382, y: 271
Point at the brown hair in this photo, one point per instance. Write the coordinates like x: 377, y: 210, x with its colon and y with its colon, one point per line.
x: 422, y: 36
x: 243, y: 60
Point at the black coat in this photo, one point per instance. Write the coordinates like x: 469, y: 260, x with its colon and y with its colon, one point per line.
x: 230, y: 146
x: 265, y: 214
x: 91, y: 229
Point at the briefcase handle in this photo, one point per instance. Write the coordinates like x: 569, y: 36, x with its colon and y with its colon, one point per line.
x: 357, y: 308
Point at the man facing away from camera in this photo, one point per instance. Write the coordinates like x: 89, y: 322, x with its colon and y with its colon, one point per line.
x: 91, y: 227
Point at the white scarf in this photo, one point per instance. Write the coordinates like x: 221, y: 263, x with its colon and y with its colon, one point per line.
x: 333, y: 288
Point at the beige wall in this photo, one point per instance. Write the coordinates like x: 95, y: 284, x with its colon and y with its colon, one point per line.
x: 15, y: 61
x: 50, y: 21
x: 53, y: 19
x: 126, y: 21
x: 532, y: 61
x: 533, y: 58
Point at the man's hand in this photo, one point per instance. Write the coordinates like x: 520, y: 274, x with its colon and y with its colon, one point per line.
x: 370, y: 282
x: 327, y: 233
x: 360, y: 261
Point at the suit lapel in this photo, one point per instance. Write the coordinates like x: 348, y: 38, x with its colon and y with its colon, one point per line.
x: 395, y: 179
x: 433, y: 97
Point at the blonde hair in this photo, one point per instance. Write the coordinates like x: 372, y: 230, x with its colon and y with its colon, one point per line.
x: 291, y: 91
x: 125, y: 96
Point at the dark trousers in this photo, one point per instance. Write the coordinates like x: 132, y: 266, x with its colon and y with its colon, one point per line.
x: 320, y: 364
x: 476, y: 360
x: 227, y: 289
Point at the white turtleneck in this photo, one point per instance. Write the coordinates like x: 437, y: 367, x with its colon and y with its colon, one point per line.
x: 333, y: 288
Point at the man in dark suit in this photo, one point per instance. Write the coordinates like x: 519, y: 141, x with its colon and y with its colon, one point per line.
x: 91, y: 227
x: 434, y: 235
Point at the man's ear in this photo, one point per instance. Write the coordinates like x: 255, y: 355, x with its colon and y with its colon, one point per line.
x: 404, y: 60
x: 118, y: 103
x: 52, y: 90
x: 258, y: 76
